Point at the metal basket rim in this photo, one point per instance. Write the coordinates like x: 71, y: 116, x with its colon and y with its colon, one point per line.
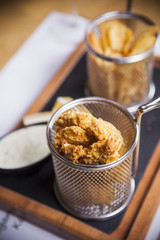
x: 116, y: 15
x: 76, y: 102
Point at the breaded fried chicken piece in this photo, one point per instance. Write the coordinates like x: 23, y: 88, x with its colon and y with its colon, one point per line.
x: 85, y: 139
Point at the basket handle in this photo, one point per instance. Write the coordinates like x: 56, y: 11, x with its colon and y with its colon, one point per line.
x: 129, y: 6
x: 146, y: 108
x: 140, y: 111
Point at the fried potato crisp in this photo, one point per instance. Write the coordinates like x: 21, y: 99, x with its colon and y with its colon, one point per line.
x: 128, y: 83
x: 118, y: 40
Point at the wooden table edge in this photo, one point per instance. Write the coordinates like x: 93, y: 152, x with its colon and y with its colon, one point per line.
x: 148, y: 209
x: 142, y: 189
x: 38, y: 214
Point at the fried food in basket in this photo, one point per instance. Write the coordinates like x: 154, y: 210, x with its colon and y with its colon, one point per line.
x: 116, y: 38
x: 115, y: 35
x: 125, y: 83
x: 84, y: 139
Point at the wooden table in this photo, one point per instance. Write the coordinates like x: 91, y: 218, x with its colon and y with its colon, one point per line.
x: 18, y: 19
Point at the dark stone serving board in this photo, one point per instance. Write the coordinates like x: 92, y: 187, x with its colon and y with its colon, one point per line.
x: 37, y: 183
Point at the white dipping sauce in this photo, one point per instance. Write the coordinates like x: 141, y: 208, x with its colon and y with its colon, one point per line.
x: 23, y: 147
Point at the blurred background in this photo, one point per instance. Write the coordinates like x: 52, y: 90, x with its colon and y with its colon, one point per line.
x: 19, y: 18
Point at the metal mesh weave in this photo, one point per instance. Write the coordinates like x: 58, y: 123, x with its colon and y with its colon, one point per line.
x: 95, y: 192
x: 127, y: 82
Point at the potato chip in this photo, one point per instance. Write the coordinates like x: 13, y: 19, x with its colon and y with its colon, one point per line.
x: 150, y: 30
x: 95, y: 42
x: 103, y: 31
x: 144, y: 40
x: 144, y: 43
x: 115, y: 35
x: 129, y: 42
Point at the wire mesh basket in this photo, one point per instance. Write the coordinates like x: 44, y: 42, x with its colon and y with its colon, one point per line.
x: 126, y: 80
x: 96, y: 191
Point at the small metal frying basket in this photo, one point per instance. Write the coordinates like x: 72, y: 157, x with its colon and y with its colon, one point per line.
x: 96, y: 191
x: 124, y: 79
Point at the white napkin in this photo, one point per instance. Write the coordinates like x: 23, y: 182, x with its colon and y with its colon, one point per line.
x: 27, y: 73
x: 16, y: 228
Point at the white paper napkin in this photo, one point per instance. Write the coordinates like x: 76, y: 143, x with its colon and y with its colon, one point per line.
x: 15, y: 228
x: 27, y: 73
x: 154, y: 229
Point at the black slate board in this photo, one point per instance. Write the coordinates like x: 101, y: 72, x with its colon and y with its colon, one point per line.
x: 38, y: 183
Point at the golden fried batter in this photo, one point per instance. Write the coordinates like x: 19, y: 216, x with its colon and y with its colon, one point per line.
x: 85, y: 139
